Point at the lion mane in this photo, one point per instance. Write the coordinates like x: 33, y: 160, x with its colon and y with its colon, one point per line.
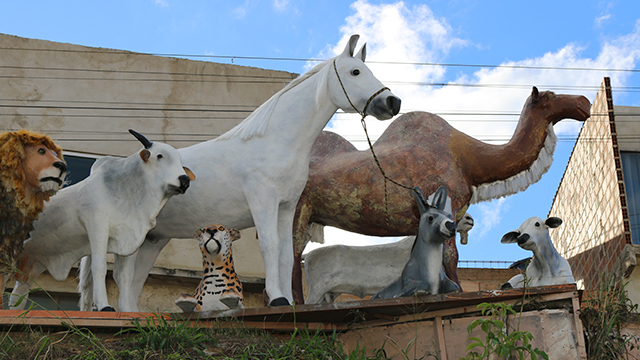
x: 19, y: 207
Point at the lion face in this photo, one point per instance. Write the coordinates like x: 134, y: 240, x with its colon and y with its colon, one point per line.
x: 44, y: 171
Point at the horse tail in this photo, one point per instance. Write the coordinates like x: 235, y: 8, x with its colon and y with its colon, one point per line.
x: 85, y: 285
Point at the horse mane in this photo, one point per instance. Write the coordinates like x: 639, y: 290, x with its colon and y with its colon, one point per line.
x: 256, y: 123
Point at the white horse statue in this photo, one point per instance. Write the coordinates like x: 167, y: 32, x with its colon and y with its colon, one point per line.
x: 254, y: 174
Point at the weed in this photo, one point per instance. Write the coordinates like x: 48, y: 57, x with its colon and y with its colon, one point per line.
x: 160, y: 335
x: 607, y: 310
x: 498, y: 341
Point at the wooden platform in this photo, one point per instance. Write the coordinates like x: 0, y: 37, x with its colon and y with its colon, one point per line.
x: 337, y: 316
x: 431, y: 324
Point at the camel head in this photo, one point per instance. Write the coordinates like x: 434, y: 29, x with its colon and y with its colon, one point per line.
x: 557, y: 107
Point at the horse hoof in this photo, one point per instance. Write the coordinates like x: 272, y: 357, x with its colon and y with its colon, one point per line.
x: 108, y: 308
x: 281, y: 301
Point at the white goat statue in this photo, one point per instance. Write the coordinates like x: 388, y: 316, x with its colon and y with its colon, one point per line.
x: 110, y: 211
x: 360, y: 270
x: 547, y: 267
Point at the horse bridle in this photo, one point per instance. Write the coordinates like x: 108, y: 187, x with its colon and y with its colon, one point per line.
x: 375, y: 158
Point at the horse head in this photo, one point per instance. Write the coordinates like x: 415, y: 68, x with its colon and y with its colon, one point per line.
x: 354, y: 88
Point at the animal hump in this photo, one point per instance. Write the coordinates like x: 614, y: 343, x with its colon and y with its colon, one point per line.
x: 329, y: 144
x: 412, y: 126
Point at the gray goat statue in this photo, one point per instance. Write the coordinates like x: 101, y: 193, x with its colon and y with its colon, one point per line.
x: 423, y: 273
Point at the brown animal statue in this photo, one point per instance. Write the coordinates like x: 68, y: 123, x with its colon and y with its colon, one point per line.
x: 346, y: 189
x: 31, y: 170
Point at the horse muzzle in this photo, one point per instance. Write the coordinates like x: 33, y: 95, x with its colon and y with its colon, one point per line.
x: 384, y: 108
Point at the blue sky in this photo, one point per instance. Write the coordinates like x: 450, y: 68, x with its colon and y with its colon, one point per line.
x: 566, y: 34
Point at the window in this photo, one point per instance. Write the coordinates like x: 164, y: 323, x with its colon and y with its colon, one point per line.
x: 78, y: 166
x: 631, y: 172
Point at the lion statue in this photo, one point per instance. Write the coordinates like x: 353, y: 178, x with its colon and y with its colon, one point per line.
x: 32, y: 169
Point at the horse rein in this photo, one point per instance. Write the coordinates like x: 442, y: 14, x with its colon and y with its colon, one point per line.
x: 375, y: 158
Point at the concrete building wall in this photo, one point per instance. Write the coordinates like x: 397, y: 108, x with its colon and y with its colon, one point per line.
x: 86, y: 99
x: 591, y: 198
x: 628, y: 126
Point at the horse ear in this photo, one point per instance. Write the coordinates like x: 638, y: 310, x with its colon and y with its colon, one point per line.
x: 145, y: 155
x: 351, y: 45
x: 534, y: 93
x: 440, y: 198
x: 553, y: 222
x: 362, y: 54
x: 510, y: 237
x: 421, y: 200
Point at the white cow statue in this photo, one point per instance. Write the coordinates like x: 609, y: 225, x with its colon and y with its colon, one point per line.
x: 547, y: 267
x: 110, y: 211
x: 360, y: 270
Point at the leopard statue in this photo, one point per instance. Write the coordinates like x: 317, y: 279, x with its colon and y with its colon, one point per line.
x: 220, y: 287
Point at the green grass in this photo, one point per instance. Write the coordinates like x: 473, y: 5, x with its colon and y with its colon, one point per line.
x: 158, y: 339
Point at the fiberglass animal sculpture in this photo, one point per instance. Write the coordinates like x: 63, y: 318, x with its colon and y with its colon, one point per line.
x: 220, y: 287
x: 360, y: 270
x: 423, y: 273
x: 32, y: 169
x: 346, y: 190
x: 110, y: 211
x: 546, y: 267
x: 254, y: 174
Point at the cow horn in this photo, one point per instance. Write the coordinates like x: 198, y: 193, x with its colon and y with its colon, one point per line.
x: 145, y: 142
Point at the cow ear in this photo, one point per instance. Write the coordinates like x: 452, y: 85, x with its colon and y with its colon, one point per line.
x: 553, y: 222
x: 510, y: 237
x: 190, y: 174
x: 145, y: 155
x: 235, y: 234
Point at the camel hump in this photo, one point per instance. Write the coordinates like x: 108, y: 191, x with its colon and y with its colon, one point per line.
x: 413, y: 125
x: 329, y: 144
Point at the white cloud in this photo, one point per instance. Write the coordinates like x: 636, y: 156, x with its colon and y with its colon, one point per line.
x: 242, y: 10
x: 600, y: 20
x: 490, y: 215
x: 394, y: 32
x: 163, y: 3
x: 281, y: 5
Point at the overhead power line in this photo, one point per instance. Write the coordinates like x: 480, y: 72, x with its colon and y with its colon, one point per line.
x: 232, y: 57
x: 156, y: 76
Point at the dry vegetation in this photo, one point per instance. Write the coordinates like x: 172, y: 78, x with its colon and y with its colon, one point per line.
x: 168, y: 341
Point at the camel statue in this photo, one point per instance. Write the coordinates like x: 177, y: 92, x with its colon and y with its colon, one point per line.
x: 345, y: 188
